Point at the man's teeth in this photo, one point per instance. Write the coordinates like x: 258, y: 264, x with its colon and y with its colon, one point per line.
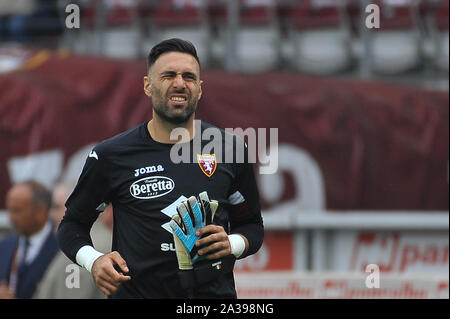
x: 176, y: 98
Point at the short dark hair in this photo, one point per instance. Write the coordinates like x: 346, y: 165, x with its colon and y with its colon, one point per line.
x: 171, y: 45
x: 40, y: 195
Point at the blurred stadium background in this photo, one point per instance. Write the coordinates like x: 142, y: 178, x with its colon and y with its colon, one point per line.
x: 362, y: 118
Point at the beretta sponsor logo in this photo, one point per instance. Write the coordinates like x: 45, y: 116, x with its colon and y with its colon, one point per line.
x: 151, y: 187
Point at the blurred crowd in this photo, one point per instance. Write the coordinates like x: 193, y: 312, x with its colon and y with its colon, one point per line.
x: 31, y: 264
x: 322, y: 37
x: 23, y: 20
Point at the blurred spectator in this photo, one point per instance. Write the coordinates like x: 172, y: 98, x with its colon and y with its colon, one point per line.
x: 27, y: 20
x: 53, y: 284
x: 11, y: 7
x: 25, y: 255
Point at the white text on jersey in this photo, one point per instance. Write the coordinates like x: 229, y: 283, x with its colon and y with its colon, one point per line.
x: 148, y: 170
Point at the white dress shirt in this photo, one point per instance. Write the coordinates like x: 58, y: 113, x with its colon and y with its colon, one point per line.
x: 36, y: 242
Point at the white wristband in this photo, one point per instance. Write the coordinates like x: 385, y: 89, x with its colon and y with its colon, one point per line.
x: 237, y: 244
x: 86, y: 256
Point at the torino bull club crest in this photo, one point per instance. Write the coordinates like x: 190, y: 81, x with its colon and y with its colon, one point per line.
x: 207, y: 163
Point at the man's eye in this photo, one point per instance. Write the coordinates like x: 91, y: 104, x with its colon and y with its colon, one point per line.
x: 190, y: 77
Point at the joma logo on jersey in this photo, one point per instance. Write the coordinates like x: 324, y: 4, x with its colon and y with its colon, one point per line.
x: 152, y: 187
x: 148, y: 169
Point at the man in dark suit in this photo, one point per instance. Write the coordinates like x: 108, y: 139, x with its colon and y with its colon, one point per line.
x: 25, y: 255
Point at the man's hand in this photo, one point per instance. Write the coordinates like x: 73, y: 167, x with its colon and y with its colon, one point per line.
x: 5, y: 293
x: 217, y: 243
x: 193, y: 214
x: 105, y: 276
x: 197, y: 237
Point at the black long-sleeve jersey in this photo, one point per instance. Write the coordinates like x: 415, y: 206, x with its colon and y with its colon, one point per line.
x: 140, y: 178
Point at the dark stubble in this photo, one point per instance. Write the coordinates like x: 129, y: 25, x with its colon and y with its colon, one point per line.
x: 165, y: 112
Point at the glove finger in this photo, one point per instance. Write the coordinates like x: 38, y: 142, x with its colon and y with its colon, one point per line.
x: 176, y: 228
x: 206, y: 208
x: 214, y: 205
x: 196, y: 212
x: 183, y: 256
x: 186, y: 219
x: 188, y: 237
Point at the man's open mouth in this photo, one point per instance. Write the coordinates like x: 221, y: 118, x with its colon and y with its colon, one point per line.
x: 178, y: 98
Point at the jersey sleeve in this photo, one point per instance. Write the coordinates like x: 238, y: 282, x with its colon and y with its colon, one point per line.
x: 87, y: 201
x: 245, y: 212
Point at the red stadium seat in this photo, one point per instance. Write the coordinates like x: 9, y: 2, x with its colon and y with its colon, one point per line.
x: 170, y: 14
x: 437, y: 16
x: 117, y: 13
x: 252, y: 12
x: 320, y: 37
x: 395, y: 15
x: 255, y: 14
x: 440, y: 14
x: 118, y: 28
x: 258, y: 36
x: 186, y: 19
x: 312, y: 14
x: 257, y: 47
x: 396, y: 45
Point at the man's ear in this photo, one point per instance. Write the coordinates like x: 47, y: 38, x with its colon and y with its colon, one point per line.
x: 147, y: 86
x: 200, y: 93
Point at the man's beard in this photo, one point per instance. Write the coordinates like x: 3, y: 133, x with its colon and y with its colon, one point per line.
x: 161, y: 107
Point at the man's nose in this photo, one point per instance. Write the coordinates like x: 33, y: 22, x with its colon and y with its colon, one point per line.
x: 179, y: 81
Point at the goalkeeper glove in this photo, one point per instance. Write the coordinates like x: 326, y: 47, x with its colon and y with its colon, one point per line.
x: 193, y: 214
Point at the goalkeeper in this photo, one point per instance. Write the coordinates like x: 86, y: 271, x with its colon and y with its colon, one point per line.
x: 178, y: 227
